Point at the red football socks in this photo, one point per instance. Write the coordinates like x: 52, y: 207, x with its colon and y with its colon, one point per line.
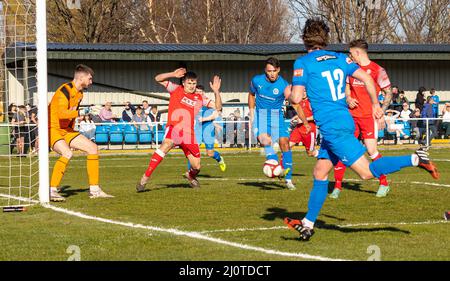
x: 157, y: 157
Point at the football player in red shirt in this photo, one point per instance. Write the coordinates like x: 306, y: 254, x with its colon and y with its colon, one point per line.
x: 184, y: 104
x: 300, y: 134
x: 361, y: 109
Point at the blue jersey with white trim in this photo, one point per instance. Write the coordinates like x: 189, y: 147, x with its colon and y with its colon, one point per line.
x: 268, y: 95
x: 323, y: 74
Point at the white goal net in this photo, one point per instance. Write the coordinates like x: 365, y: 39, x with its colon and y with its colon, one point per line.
x: 19, y: 111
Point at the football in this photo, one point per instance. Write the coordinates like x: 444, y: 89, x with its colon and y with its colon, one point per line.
x: 272, y: 169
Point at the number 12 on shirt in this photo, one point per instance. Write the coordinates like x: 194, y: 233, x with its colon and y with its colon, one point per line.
x: 338, y: 74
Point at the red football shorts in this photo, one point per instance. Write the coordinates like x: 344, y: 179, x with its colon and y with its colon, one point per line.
x: 186, y: 142
x: 366, y: 127
x: 308, y: 139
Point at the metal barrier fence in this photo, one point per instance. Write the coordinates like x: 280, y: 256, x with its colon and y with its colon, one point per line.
x: 122, y: 135
x: 237, y: 133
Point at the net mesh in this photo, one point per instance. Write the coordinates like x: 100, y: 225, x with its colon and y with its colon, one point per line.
x: 19, y: 140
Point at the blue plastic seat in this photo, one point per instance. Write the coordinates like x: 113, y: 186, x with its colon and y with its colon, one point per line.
x: 145, y: 136
x: 158, y: 135
x: 101, y: 134
x: 116, y: 134
x: 130, y: 134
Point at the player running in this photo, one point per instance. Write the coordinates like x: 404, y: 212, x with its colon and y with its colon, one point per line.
x: 268, y: 92
x: 185, y: 103
x: 300, y: 134
x: 361, y: 109
x: 322, y: 74
x: 63, y: 110
x: 205, y: 132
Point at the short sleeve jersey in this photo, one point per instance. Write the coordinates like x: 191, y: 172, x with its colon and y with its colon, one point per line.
x: 268, y: 95
x: 183, y: 107
x: 323, y: 74
x: 358, y: 89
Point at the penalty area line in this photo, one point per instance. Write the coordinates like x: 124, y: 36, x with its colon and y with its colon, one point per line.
x: 176, y: 232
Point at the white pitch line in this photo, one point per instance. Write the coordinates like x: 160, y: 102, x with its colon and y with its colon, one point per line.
x: 176, y: 232
x: 341, y: 226
x: 404, y: 182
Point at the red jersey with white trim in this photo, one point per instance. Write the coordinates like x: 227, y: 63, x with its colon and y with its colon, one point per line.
x: 358, y: 89
x: 307, y: 110
x: 183, y: 107
x: 306, y: 106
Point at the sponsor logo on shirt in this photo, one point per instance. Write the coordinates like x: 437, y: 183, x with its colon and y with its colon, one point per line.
x: 325, y: 58
x: 356, y: 82
x: 298, y: 72
x: 188, y: 102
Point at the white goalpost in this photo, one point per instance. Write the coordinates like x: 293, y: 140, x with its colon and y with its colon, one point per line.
x: 41, y: 67
x: 24, y: 162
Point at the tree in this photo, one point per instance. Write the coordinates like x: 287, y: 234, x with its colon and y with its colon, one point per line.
x: 170, y: 21
x: 379, y: 21
x: 96, y: 21
x: 422, y: 21
x: 348, y: 19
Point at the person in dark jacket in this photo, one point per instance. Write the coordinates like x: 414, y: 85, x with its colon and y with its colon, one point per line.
x: 420, y: 98
x: 128, y: 112
x: 427, y: 112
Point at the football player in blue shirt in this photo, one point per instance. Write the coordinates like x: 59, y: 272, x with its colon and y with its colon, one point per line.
x: 205, y: 132
x: 268, y: 92
x: 323, y: 74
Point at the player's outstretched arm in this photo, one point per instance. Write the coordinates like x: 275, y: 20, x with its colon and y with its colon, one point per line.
x: 164, y: 77
x: 215, y: 87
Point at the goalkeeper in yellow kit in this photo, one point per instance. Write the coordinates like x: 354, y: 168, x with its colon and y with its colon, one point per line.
x: 63, y: 110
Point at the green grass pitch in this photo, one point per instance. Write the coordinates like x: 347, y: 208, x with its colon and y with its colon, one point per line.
x: 240, y: 213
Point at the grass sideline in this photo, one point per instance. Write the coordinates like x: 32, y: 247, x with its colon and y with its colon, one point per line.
x: 241, y: 198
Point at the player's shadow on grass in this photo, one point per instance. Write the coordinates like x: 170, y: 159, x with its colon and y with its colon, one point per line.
x: 354, y: 186
x: 279, y: 213
x: 207, y: 176
x: 264, y: 185
x: 67, y: 192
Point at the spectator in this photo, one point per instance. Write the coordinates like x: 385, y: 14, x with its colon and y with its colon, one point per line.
x: 436, y: 102
x: 401, y: 100
x: 420, y: 99
x: 406, y: 112
x: 87, y: 127
x: 34, y: 132
x: 395, y: 95
x: 128, y: 112
x: 392, y: 127
x: 106, y: 114
x: 154, y: 117
x: 20, y: 119
x: 145, y: 107
x: 445, y: 126
x: 427, y: 112
x: 416, y: 125
x: 12, y: 110
x: 139, y: 117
